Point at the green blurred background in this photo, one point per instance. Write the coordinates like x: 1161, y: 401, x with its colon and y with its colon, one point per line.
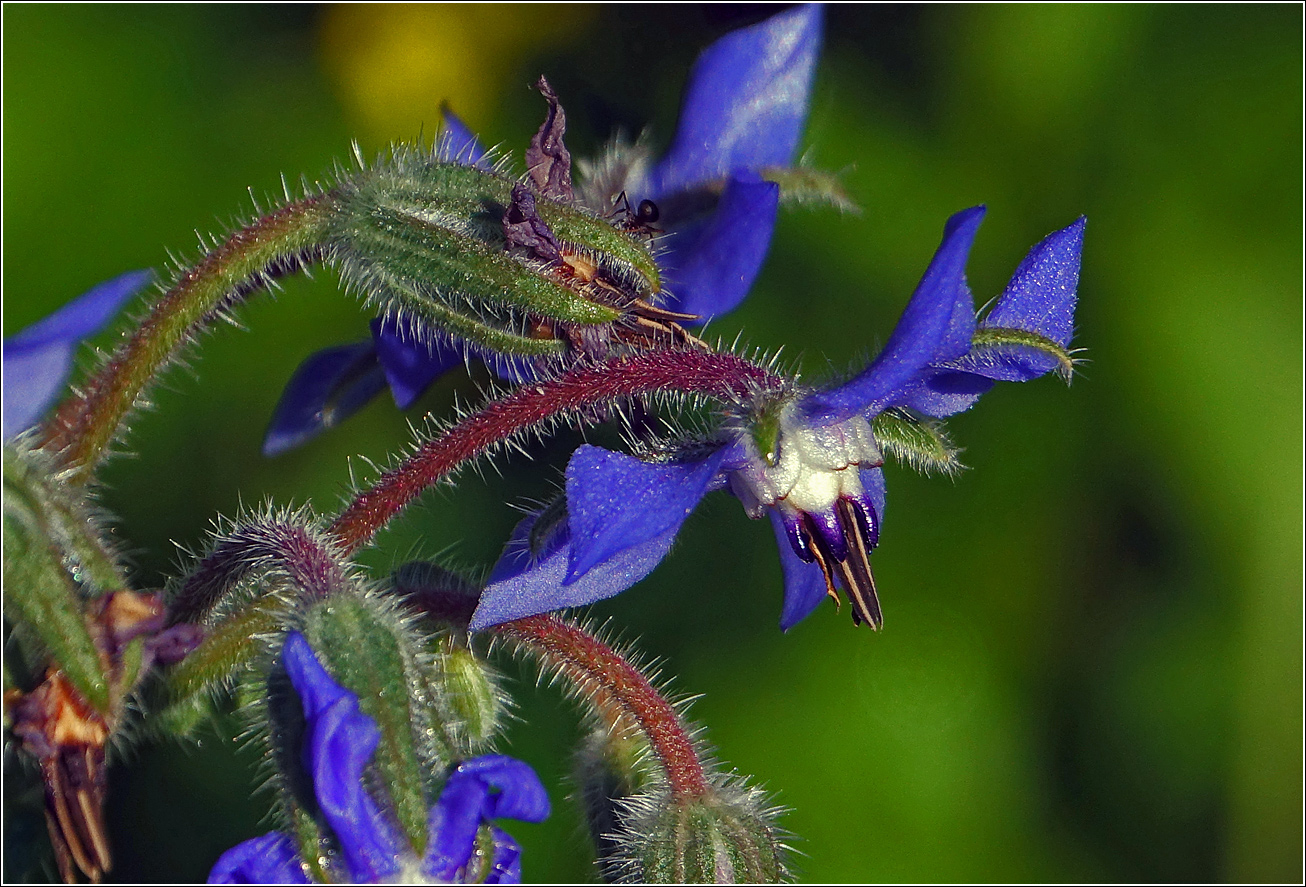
x: 1092, y: 665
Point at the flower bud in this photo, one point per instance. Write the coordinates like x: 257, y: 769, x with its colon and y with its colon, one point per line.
x: 368, y: 648
x: 472, y: 255
x: 723, y: 837
x: 53, y: 564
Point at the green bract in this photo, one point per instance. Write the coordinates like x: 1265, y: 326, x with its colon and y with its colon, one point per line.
x: 424, y: 239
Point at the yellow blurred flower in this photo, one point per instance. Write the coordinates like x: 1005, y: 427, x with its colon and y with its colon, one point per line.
x: 394, y: 64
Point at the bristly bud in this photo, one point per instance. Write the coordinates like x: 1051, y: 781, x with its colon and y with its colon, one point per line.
x: 727, y: 836
x: 611, y: 767
x: 54, y: 564
x: 465, y: 682
x: 369, y: 649
x: 473, y: 256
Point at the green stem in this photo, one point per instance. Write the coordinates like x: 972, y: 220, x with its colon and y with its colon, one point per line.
x: 278, y: 243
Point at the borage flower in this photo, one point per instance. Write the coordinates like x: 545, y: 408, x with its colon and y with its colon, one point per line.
x: 712, y: 198
x: 808, y: 458
x: 339, y: 742
x: 38, y: 359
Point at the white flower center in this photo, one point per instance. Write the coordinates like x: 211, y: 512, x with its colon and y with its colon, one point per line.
x: 811, y: 468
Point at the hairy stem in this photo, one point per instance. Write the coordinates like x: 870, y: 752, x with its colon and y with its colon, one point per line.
x: 276, y: 244
x: 690, y: 371
x: 279, y: 551
x: 604, y: 677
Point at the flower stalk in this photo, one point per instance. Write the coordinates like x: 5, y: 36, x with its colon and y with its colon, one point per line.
x: 616, y: 690
x: 725, y: 377
x: 277, y: 244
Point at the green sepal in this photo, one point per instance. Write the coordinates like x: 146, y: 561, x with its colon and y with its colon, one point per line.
x: 365, y: 647
x: 803, y: 185
x: 765, y: 426
x: 481, y: 865
x: 611, y: 767
x: 469, y: 687
x: 501, y: 340
x: 920, y: 443
x: 41, y: 598
x: 131, y: 662
x: 710, y: 840
x: 1008, y: 337
x: 309, y: 839
x: 36, y: 493
x: 424, y: 239
x: 40, y: 594
x: 622, y: 257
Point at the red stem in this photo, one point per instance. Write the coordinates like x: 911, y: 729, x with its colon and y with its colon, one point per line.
x: 723, y: 376
x: 592, y: 664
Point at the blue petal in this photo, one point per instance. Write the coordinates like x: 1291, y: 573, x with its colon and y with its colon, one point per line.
x: 410, y: 365
x: 478, y: 790
x: 85, y: 314
x: 745, y: 103
x: 804, y: 582
x: 327, y: 388
x: 339, y: 741
x: 920, y: 337
x: 505, y: 867
x: 37, y: 359
x: 33, y: 378
x: 519, y: 794
x: 1041, y: 295
x: 710, y: 266
x: 616, y: 502
x: 1040, y: 298
x: 873, y: 489
x: 455, y: 819
x: 268, y: 859
x: 947, y: 392
x: 460, y: 144
x: 526, y: 583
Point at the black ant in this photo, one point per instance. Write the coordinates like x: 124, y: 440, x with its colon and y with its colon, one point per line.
x: 639, y: 220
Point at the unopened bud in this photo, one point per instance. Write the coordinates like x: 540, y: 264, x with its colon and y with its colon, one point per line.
x: 724, y: 837
x: 460, y: 250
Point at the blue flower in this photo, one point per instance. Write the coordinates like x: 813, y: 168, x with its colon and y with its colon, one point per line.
x: 743, y: 114
x: 339, y: 742
x: 807, y: 458
x: 38, y: 359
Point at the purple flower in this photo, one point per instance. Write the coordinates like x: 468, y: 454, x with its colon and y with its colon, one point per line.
x: 339, y: 741
x: 807, y: 458
x: 743, y: 114
x: 37, y: 360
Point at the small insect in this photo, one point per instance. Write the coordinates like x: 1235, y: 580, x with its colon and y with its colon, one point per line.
x: 638, y: 220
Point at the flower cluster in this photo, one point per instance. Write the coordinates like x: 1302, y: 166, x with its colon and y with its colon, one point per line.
x: 374, y: 693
